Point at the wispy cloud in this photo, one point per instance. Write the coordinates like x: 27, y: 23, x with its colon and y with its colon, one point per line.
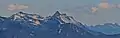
x: 13, y: 7
x: 94, y: 9
x: 103, y: 5
x: 118, y: 5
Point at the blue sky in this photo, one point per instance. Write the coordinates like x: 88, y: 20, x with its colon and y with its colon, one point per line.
x: 48, y: 7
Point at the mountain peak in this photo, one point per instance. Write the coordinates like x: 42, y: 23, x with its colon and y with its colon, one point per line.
x: 20, y: 12
x: 57, y: 13
x: 63, y: 17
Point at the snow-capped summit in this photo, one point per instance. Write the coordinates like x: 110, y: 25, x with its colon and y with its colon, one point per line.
x: 21, y: 16
x: 64, y: 18
x: 57, y: 13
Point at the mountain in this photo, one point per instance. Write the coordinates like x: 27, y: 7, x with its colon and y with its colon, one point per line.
x: 107, y: 28
x: 24, y: 25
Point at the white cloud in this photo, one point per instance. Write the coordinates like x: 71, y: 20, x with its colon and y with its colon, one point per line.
x: 13, y: 7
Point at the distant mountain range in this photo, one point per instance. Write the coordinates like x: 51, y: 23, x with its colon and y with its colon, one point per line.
x: 24, y: 25
x: 107, y: 28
